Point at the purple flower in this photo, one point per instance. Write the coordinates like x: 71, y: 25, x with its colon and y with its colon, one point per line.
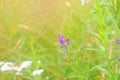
x: 63, y: 44
x: 67, y: 41
x: 117, y: 40
x: 61, y: 40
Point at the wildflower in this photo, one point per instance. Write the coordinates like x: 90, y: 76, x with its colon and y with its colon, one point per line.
x: 63, y: 44
x: 37, y: 72
x: 61, y: 40
x: 8, y: 66
x: 19, y: 68
x: 25, y: 64
x: 67, y: 41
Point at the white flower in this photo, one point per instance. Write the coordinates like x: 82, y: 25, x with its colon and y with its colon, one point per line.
x: 37, y: 72
x: 25, y: 64
x: 17, y: 68
x: 8, y: 66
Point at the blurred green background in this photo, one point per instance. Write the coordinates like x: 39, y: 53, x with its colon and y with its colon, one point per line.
x: 43, y: 19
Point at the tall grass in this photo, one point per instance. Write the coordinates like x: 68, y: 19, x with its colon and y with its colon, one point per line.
x: 29, y: 31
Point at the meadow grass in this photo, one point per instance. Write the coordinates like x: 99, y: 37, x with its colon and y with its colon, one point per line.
x: 29, y: 32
